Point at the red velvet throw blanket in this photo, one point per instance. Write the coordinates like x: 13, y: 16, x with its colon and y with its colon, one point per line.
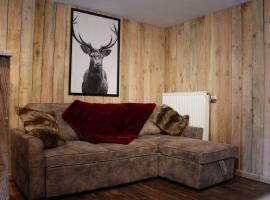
x: 112, y: 123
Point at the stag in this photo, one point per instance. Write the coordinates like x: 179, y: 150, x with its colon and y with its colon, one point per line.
x: 95, y: 78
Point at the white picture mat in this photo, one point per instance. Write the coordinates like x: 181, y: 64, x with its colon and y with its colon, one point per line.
x: 97, y: 31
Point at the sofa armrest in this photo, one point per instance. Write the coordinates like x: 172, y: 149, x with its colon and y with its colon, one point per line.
x: 28, y: 164
x: 193, y: 132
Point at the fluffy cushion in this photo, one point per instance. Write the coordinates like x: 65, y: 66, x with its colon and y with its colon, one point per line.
x: 111, y: 123
x: 150, y: 128
x: 169, y: 121
x: 41, y: 124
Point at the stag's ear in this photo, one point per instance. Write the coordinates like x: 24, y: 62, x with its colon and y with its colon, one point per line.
x: 86, y: 49
x: 106, y: 52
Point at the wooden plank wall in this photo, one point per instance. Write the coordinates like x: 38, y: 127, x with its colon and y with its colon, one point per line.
x: 38, y: 36
x: 227, y: 53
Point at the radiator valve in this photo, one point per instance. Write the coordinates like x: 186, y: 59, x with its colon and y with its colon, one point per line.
x: 213, y: 99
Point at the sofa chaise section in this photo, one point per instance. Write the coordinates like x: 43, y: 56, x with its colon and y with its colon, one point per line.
x: 200, y: 164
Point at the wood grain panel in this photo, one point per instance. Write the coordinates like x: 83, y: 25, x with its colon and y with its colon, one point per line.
x: 38, y: 50
x: 171, y: 63
x: 26, y: 53
x: 141, y: 62
x: 186, y: 58
x: 124, y: 92
x: 3, y: 24
x: 225, y: 99
x: 179, y: 56
x: 214, y: 80
x: 266, y: 157
x: 258, y: 88
x: 236, y: 76
x: 48, y: 52
x: 146, y: 69
x: 201, y: 66
x: 67, y: 98
x: 247, y: 125
x: 133, y: 61
x: 157, y: 59
x: 59, y: 56
x: 14, y: 44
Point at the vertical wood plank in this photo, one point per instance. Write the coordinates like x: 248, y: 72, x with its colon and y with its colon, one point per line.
x: 38, y: 50
x: 207, y: 50
x: 236, y: 76
x: 171, y: 63
x: 179, y: 58
x: 67, y: 98
x: 247, y: 122
x: 187, y: 56
x: 3, y: 24
x: 157, y: 65
x: 26, y: 56
x: 266, y: 157
x: 258, y: 88
x: 48, y: 52
x: 133, y: 61
x: 14, y: 44
x: 125, y: 54
x: 152, y: 66
x: 225, y: 106
x: 59, y: 59
x: 193, y: 55
x: 201, y: 68
x: 146, y: 69
x: 141, y: 61
x: 161, y: 65
x: 214, y: 76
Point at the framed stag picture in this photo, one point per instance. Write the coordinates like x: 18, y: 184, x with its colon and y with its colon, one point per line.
x: 94, y: 54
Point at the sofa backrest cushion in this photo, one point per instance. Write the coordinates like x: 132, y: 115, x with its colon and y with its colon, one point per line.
x: 150, y: 128
x: 65, y: 131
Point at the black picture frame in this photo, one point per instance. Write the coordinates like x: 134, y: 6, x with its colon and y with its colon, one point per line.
x: 80, y: 49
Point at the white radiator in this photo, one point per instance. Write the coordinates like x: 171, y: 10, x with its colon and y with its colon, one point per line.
x: 194, y: 104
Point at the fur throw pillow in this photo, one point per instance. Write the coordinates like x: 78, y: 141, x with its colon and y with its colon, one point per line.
x: 41, y: 124
x: 150, y: 128
x: 169, y: 121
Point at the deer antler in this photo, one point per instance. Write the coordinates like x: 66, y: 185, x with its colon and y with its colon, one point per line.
x: 79, y: 40
x: 111, y: 43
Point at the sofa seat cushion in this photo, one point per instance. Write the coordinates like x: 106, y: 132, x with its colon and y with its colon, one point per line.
x: 135, y: 148
x: 79, y: 152
x: 195, y: 150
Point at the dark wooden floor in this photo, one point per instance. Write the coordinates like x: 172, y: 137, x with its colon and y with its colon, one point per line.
x: 160, y: 189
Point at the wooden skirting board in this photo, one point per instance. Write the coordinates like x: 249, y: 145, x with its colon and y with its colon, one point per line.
x: 252, y: 176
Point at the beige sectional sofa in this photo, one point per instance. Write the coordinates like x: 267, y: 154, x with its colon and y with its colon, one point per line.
x: 80, y: 166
